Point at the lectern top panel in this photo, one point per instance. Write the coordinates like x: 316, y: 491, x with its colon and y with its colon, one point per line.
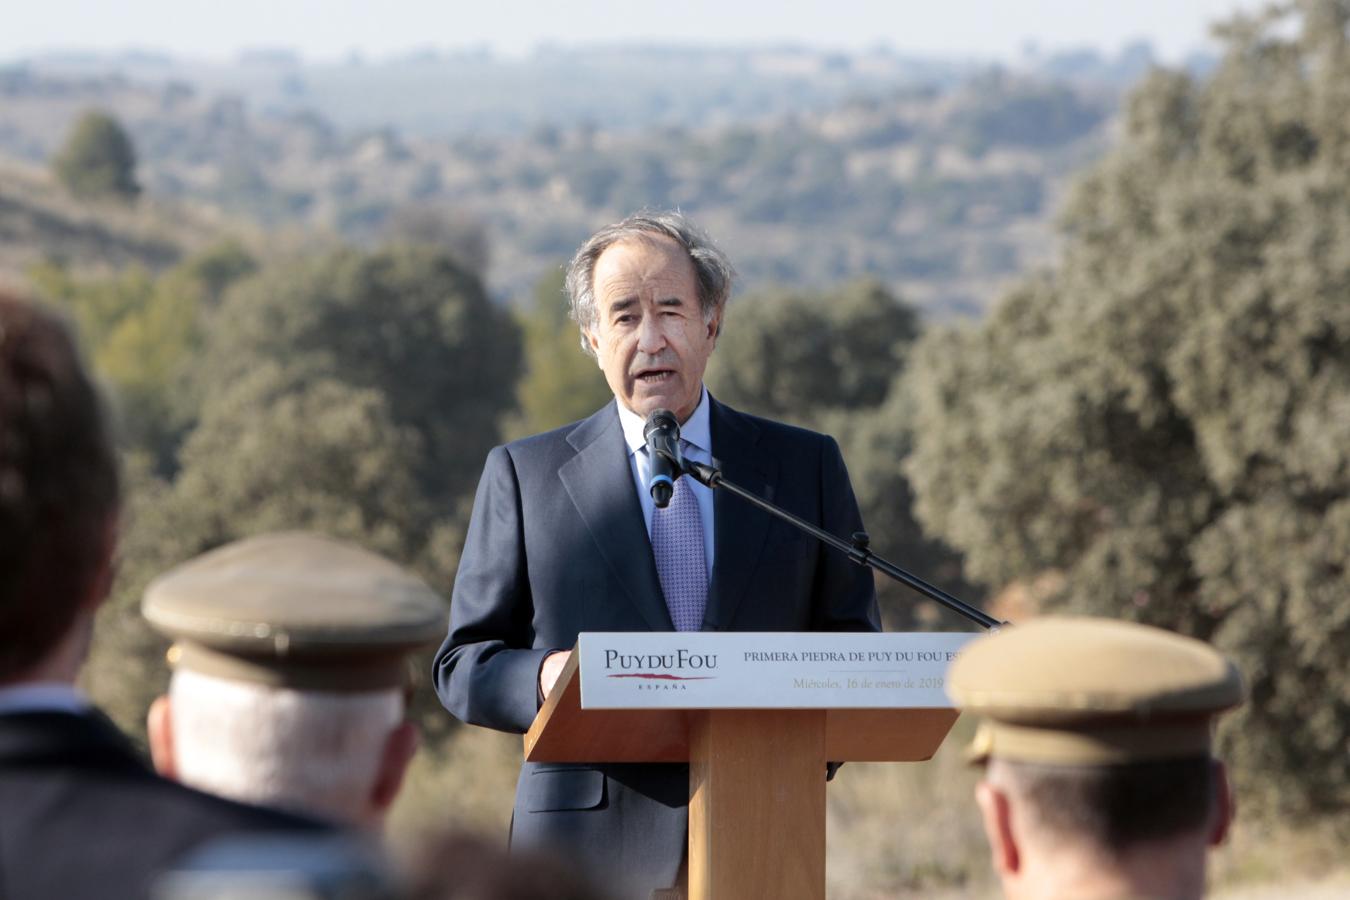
x: 774, y: 670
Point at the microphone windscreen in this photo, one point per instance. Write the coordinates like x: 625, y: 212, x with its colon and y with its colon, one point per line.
x: 660, y: 418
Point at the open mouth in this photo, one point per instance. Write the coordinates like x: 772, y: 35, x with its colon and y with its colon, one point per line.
x: 655, y: 376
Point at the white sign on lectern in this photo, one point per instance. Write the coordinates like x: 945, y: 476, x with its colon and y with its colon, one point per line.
x: 765, y: 670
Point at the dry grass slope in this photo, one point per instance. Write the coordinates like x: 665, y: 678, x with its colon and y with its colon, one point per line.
x: 39, y: 221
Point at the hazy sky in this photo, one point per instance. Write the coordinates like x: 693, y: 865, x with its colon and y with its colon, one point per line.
x: 331, y: 28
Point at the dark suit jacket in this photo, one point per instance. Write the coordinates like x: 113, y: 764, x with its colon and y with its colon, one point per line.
x: 81, y: 816
x: 557, y: 546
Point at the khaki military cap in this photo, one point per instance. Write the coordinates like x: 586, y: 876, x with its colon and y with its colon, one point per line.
x: 295, y: 610
x: 1081, y: 691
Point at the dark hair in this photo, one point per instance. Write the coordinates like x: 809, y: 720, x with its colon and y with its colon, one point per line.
x: 58, y: 483
x: 1121, y: 805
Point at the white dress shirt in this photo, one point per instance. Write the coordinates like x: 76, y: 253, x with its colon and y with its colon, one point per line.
x: 695, y: 444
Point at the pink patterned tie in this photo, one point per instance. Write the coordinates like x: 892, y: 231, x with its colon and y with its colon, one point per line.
x: 677, y: 542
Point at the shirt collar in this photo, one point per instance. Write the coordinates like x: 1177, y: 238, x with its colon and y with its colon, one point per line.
x: 47, y: 696
x: 696, y: 431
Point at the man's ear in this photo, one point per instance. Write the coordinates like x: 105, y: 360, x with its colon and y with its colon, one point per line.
x: 1225, y: 806
x: 593, y: 341
x: 399, y: 749
x: 996, y: 815
x: 159, y: 730
x: 715, y: 326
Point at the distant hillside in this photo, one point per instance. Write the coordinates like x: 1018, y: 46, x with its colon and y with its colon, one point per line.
x: 39, y: 222
x: 943, y: 190
x: 629, y: 87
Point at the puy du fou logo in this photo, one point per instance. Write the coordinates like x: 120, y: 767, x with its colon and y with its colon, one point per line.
x: 678, y: 661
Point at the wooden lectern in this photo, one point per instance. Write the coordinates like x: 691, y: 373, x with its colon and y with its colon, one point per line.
x: 756, y: 776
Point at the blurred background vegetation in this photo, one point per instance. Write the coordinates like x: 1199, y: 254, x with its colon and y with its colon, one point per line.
x: 1085, y: 346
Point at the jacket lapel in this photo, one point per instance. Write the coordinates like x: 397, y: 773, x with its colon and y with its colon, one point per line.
x: 600, y: 483
x: 739, y: 528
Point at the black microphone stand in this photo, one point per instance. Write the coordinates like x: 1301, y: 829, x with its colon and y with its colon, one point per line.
x: 857, y: 550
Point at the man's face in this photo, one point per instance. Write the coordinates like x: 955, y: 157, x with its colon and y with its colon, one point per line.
x: 650, y: 337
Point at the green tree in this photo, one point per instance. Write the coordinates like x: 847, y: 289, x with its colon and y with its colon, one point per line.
x: 798, y: 355
x: 97, y: 159
x: 354, y: 394
x: 1162, y: 418
x: 219, y: 266
x: 561, y: 383
x: 267, y: 455
x: 272, y: 453
x: 143, y: 333
x: 408, y: 323
x: 829, y: 360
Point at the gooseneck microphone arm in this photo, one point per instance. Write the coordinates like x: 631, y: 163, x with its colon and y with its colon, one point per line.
x: 857, y: 550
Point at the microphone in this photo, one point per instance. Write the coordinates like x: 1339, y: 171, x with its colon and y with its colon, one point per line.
x: 662, y: 432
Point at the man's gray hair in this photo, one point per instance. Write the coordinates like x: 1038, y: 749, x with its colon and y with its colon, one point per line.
x: 312, y: 752
x: 712, y: 269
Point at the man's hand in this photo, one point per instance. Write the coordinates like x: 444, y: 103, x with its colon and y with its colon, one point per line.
x: 551, y: 669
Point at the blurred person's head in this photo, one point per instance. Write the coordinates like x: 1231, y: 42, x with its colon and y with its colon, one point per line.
x: 290, y: 674
x: 59, y: 496
x: 1096, y: 741
x: 453, y: 865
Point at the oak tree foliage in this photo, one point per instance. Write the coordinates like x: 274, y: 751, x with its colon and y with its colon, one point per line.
x: 1161, y: 419
x: 98, y: 159
x: 830, y: 360
x: 560, y: 383
x: 144, y: 332
x: 355, y: 394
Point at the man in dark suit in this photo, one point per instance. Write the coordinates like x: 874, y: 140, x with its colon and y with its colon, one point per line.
x: 565, y: 538
x: 81, y: 815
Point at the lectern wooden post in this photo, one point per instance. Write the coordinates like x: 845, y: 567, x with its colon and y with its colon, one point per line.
x: 756, y: 775
x: 757, y: 804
